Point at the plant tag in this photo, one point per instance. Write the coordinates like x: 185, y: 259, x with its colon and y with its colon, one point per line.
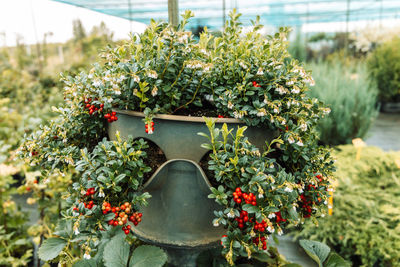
x: 359, y: 144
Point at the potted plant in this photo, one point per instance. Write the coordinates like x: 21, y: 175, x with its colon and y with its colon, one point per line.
x: 151, y: 97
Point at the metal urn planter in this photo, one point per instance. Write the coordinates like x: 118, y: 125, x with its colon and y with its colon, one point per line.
x: 179, y: 214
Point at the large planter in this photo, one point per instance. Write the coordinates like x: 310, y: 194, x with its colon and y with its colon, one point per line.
x: 179, y: 214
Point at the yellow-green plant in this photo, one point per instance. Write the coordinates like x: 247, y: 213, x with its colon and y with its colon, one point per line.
x: 365, y: 223
x: 384, y: 66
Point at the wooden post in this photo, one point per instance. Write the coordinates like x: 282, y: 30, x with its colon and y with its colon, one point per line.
x: 173, y: 10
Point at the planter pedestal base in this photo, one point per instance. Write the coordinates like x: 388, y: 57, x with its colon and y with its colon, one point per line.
x: 178, y: 257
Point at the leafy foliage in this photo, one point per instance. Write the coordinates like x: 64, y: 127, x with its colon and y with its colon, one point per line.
x: 383, y: 64
x: 278, y: 198
x: 365, y: 210
x: 350, y: 94
x: 240, y: 75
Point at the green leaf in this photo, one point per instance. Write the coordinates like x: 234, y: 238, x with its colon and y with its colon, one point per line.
x: 51, y: 248
x: 206, y: 146
x: 316, y: 250
x: 120, y: 177
x: 334, y: 260
x: 203, y: 134
x: 85, y: 263
x: 146, y: 255
x: 116, y: 252
x: 250, y: 208
x: 261, y: 256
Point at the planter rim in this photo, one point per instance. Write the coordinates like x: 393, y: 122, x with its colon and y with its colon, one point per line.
x: 178, y: 117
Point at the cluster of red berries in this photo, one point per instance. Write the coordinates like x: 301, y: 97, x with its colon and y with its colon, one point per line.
x: 242, y: 219
x: 111, y: 116
x: 260, y: 226
x: 238, y: 195
x: 34, y: 153
x: 122, y: 215
x: 306, y: 206
x: 90, y: 192
x: 220, y: 116
x: 258, y: 241
x: 319, y: 177
x: 92, y: 108
x: 89, y: 205
x: 147, y: 127
x: 279, y: 218
x: 255, y: 84
x: 126, y: 229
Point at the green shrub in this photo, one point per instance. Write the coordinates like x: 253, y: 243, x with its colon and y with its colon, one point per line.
x: 297, y: 48
x: 350, y: 94
x: 365, y: 220
x: 384, y: 65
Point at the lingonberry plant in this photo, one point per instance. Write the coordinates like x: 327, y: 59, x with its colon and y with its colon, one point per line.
x: 260, y: 194
x: 242, y: 75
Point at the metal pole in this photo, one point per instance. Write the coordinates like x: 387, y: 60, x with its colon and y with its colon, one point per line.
x: 39, y: 50
x: 173, y: 17
x: 130, y: 14
x: 346, y: 40
x: 223, y: 13
x: 380, y: 14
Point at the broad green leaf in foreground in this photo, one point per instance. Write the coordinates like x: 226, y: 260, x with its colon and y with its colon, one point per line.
x: 316, y: 250
x: 51, y: 248
x: 334, y: 260
x: 116, y: 252
x: 146, y: 255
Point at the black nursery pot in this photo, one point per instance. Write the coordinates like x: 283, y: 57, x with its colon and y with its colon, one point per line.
x: 179, y: 214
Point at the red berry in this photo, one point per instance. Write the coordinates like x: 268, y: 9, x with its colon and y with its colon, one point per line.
x: 107, y: 116
x: 101, y: 105
x: 113, y: 113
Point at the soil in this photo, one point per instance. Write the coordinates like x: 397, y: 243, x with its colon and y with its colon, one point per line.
x: 155, y: 158
x: 206, y: 110
x: 210, y: 174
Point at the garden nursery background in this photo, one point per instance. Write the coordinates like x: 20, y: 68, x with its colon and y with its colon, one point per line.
x: 352, y: 49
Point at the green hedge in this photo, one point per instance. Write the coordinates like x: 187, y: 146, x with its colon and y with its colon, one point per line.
x: 384, y: 66
x: 350, y: 94
x: 365, y: 225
